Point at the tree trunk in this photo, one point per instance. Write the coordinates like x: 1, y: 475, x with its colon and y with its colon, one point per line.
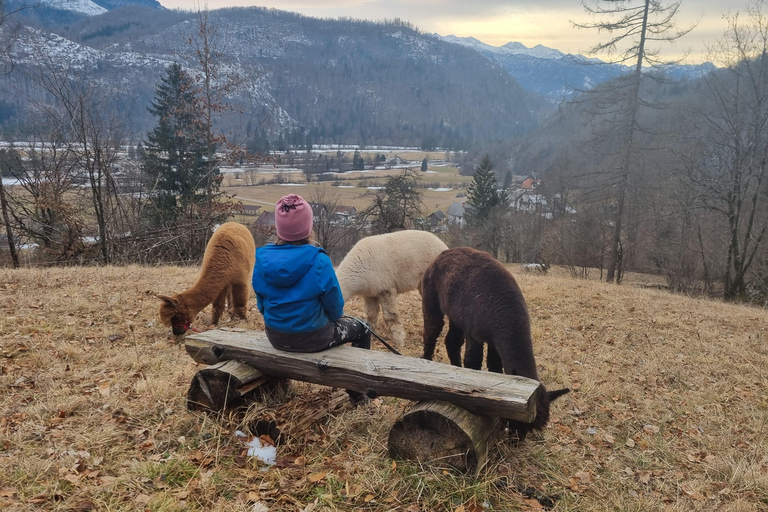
x: 613, y: 262
x: 6, y: 219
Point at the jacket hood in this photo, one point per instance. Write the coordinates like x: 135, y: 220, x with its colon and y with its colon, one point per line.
x: 285, y: 265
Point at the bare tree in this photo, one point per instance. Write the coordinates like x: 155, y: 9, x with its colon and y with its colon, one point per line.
x: 45, y: 206
x: 633, y: 27
x: 335, y: 239
x: 397, y: 206
x: 5, y: 211
x: 214, y: 85
x: 7, y: 38
x: 727, y: 161
x: 90, y: 126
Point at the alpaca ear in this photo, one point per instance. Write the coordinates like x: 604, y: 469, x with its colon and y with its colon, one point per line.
x: 168, y: 300
x: 557, y: 393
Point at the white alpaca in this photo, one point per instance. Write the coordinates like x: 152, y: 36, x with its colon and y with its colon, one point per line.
x: 381, y: 266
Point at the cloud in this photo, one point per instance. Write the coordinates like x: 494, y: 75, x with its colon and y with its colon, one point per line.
x: 496, y: 22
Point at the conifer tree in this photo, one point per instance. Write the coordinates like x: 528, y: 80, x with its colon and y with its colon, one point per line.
x: 358, y: 163
x: 175, y: 162
x: 483, y: 194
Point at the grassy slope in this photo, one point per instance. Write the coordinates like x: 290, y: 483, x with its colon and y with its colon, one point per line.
x: 668, y: 409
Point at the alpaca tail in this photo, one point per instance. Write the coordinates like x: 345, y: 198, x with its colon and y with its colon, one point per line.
x: 390, y: 347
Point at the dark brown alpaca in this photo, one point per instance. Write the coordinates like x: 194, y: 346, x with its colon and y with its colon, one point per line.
x: 483, y: 304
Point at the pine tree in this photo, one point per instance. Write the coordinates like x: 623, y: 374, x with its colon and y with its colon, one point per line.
x: 483, y: 194
x: 424, y: 165
x: 358, y: 163
x: 175, y: 163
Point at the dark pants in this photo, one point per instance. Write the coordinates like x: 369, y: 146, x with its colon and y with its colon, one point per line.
x: 356, y: 333
x: 352, y: 331
x: 332, y: 334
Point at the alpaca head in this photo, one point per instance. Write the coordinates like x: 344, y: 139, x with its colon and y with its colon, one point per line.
x: 542, y: 414
x: 174, y: 313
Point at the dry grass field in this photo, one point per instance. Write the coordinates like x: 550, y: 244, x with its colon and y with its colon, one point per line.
x: 442, y: 184
x: 668, y: 409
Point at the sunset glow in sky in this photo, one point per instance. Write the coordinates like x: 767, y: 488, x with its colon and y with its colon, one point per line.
x: 496, y: 22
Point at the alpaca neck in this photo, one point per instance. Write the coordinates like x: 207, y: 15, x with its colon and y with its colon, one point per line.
x: 198, y: 297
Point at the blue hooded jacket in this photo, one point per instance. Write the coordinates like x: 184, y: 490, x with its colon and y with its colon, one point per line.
x: 296, y: 288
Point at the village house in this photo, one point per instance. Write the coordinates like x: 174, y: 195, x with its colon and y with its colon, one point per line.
x: 344, y: 215
x: 456, y: 214
x: 437, y: 221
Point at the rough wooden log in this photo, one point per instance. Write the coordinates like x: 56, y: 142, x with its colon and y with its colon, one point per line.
x: 376, y: 373
x: 444, y: 433
x: 227, y: 384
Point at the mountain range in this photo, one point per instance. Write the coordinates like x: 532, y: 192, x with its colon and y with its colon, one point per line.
x: 302, y: 78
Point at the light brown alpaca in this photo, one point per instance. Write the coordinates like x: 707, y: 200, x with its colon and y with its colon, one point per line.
x: 225, y: 275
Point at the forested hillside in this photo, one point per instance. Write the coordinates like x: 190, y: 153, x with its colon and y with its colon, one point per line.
x: 311, y: 80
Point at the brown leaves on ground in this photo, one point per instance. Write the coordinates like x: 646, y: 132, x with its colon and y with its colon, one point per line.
x: 667, y: 409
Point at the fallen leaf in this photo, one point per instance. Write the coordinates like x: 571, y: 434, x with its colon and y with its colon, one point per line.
x: 368, y: 497
x: 142, y: 499
x: 534, y: 504
x: 651, y: 429
x: 316, y: 477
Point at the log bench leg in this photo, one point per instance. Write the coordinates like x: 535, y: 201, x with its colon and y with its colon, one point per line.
x: 228, y: 384
x: 443, y: 433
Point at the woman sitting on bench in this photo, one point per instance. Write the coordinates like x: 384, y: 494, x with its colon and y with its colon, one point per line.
x: 297, y: 291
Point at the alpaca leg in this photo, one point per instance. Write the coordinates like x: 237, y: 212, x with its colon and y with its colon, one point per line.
x: 454, y: 339
x: 434, y: 320
x: 219, y: 305
x: 239, y: 301
x: 433, y: 326
x: 473, y: 354
x: 372, y: 311
x: 493, y: 360
x: 392, y: 318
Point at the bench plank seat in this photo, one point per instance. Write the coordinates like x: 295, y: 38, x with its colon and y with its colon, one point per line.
x: 374, y: 372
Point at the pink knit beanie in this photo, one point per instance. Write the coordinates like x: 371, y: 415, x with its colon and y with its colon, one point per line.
x: 293, y: 218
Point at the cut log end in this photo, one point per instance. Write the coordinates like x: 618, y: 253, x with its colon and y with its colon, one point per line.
x: 227, y: 385
x: 443, y: 433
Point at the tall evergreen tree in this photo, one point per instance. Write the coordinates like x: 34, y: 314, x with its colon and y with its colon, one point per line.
x: 175, y: 162
x: 483, y: 194
x: 358, y: 163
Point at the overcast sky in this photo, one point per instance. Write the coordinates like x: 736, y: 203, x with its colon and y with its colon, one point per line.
x: 496, y: 22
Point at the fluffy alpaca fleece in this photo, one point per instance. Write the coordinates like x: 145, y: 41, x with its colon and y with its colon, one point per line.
x: 225, y: 276
x: 381, y: 266
x: 484, y: 304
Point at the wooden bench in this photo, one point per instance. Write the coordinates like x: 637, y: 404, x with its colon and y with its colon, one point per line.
x: 460, y: 407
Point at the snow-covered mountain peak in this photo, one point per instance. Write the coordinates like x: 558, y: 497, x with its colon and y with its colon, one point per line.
x: 513, y: 47
x: 86, y: 7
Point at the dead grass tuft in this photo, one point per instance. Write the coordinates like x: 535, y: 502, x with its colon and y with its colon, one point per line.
x: 668, y: 409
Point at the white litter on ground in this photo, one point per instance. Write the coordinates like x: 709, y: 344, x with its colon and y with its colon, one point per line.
x: 265, y: 453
